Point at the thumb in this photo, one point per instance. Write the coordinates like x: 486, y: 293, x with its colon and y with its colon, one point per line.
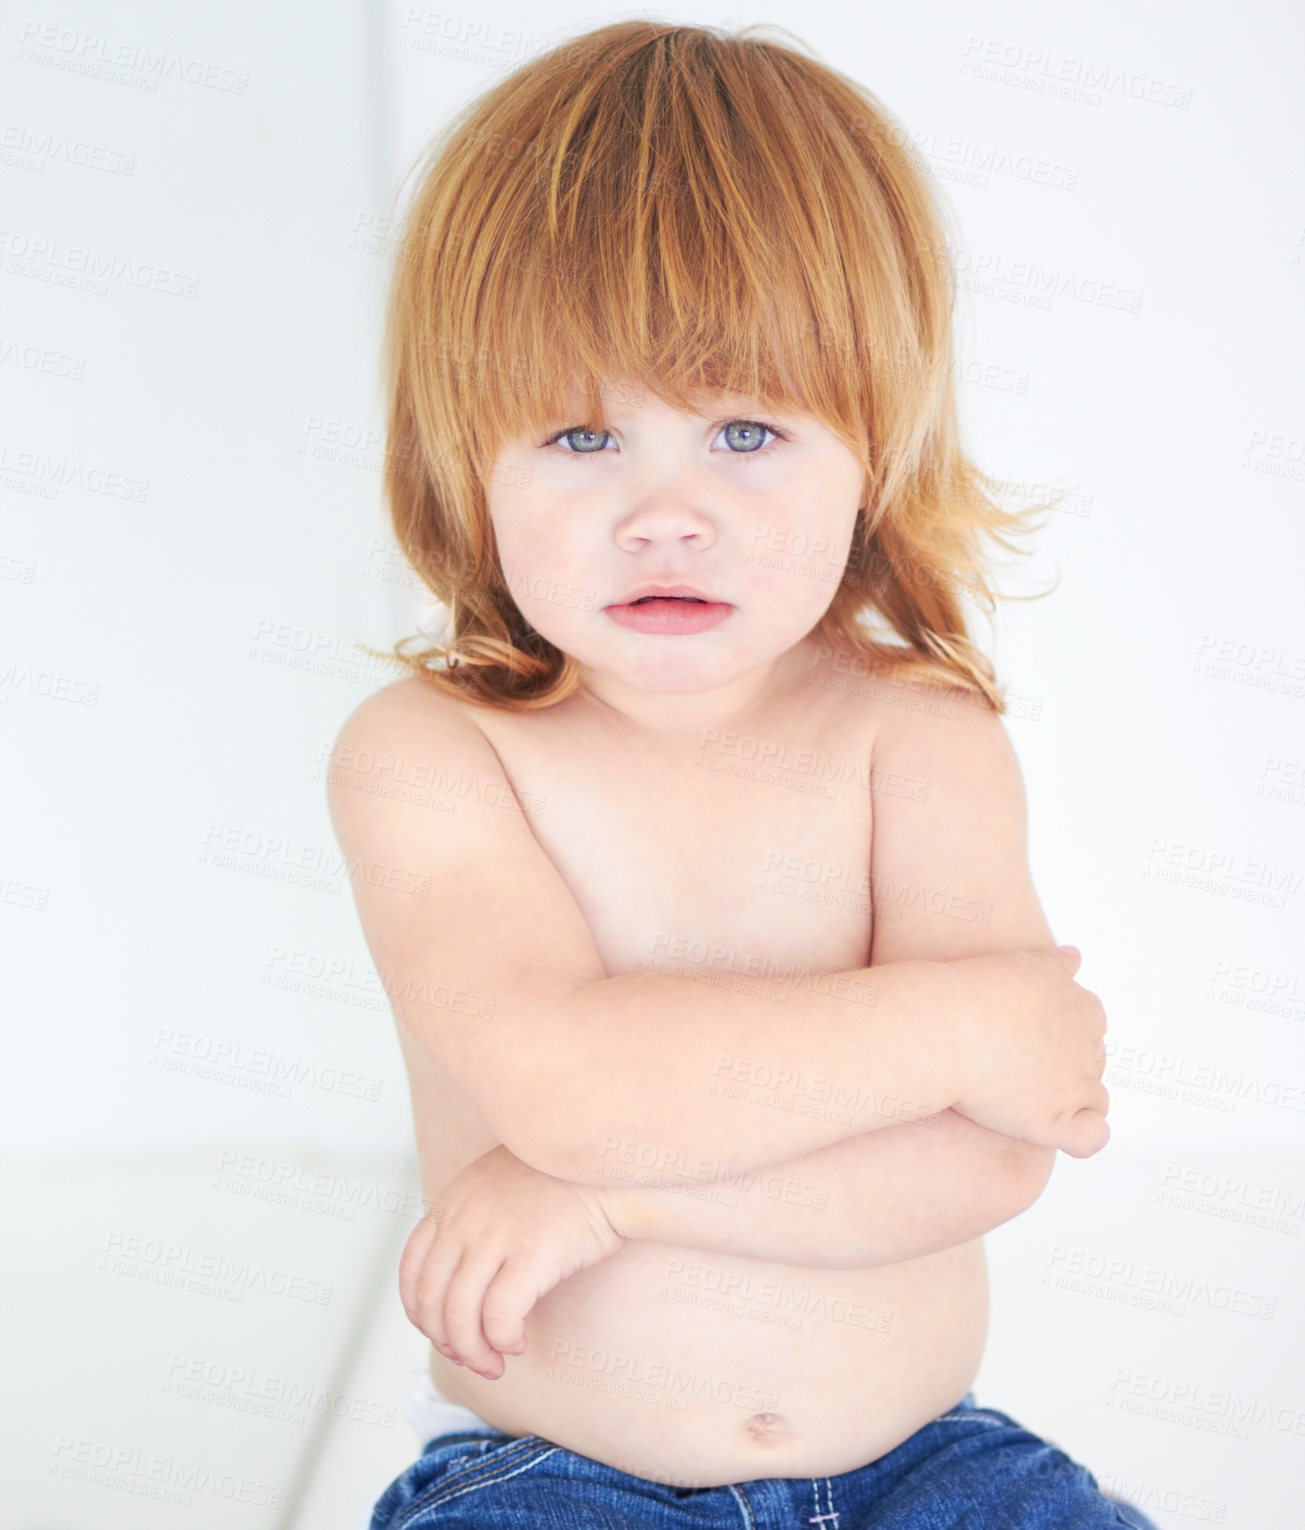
x: 1071, y: 958
x: 1085, y: 1134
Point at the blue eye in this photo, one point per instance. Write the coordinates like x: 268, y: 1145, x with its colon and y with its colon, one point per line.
x: 746, y: 435
x: 752, y: 433
x: 579, y: 430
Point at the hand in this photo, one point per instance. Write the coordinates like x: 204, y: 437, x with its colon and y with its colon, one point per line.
x: 501, y: 1236
x: 1032, y: 1052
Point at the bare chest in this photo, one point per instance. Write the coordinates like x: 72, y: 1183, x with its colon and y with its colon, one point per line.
x: 732, y: 851
x: 743, y: 853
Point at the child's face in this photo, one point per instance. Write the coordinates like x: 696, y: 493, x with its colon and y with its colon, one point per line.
x: 758, y: 525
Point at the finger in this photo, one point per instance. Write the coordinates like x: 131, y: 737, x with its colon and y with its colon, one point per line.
x: 1086, y: 1133
x: 1071, y: 958
x: 509, y: 1300
x: 411, y: 1260
x: 431, y: 1293
x: 462, y: 1317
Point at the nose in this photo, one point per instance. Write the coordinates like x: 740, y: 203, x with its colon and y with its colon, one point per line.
x: 665, y: 517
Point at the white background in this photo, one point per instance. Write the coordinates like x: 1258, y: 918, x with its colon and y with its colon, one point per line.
x: 194, y: 543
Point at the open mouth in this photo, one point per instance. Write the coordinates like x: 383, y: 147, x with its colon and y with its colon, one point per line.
x: 670, y: 615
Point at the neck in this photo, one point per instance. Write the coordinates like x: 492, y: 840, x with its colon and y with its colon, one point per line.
x: 681, y: 715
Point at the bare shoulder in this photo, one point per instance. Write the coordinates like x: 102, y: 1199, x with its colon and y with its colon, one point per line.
x: 396, y: 753
x: 950, y: 842
x: 407, y: 704
x: 902, y: 708
x: 407, y: 713
x: 916, y: 718
x: 945, y: 746
x: 443, y: 863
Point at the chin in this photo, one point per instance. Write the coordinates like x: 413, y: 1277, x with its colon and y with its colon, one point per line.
x: 683, y: 678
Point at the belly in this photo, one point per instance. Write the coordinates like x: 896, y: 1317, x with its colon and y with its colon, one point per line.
x: 697, y: 1369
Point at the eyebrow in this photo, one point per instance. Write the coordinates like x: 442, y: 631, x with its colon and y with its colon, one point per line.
x: 736, y: 403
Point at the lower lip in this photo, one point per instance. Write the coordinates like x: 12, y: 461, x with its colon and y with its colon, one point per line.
x: 671, y: 616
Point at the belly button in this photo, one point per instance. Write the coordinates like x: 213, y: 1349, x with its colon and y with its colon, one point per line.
x: 765, y: 1427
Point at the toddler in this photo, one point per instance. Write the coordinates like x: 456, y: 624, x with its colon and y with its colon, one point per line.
x: 692, y: 854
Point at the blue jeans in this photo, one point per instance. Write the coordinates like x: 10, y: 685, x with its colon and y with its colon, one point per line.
x: 970, y: 1468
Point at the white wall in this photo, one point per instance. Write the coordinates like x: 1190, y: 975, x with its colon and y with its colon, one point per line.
x: 182, y: 618
x: 182, y: 520
x: 189, y: 486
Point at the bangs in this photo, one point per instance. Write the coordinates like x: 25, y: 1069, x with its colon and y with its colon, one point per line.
x: 677, y: 213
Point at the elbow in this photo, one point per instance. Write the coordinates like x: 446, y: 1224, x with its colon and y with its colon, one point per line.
x: 574, y: 1157
x: 528, y: 1090
x: 554, y: 1118
x: 1014, y: 1185
x: 585, y: 1153
x: 542, y: 1145
x: 1029, y: 1171
x: 574, y: 1162
x: 555, y: 1143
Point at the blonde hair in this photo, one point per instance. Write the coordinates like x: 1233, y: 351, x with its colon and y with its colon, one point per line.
x: 694, y: 210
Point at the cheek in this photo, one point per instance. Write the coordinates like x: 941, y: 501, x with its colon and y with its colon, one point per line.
x: 798, y: 550
x: 816, y: 500
x: 546, y: 573
x: 540, y: 543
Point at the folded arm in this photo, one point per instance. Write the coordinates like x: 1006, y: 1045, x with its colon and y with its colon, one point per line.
x: 492, y: 969
x: 878, y: 1198
x: 949, y: 879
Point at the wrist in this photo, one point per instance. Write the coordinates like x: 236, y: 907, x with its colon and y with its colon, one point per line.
x: 619, y: 1206
x: 957, y: 1029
